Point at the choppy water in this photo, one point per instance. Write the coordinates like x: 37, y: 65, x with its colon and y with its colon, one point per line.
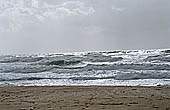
x: 140, y: 67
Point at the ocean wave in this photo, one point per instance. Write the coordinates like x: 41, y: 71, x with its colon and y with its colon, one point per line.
x: 30, y: 79
x: 166, y: 51
x: 133, y: 75
x: 131, y: 66
x: 86, y: 66
x: 158, y: 58
x: 63, y: 62
x: 14, y: 59
x: 100, y: 57
x: 92, y: 78
x: 25, y: 69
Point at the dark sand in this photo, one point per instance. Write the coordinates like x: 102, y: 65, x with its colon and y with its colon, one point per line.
x: 85, y: 98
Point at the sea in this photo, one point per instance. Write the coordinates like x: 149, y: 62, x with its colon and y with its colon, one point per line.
x: 105, y: 68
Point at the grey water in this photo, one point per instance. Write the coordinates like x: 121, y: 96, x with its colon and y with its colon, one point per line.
x: 126, y: 67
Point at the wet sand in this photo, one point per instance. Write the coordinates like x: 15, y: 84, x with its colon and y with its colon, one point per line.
x: 84, y: 98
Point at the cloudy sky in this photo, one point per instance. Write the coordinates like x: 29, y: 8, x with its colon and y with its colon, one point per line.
x: 50, y: 26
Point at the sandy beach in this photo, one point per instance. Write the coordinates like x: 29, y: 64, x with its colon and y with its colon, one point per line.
x: 84, y: 98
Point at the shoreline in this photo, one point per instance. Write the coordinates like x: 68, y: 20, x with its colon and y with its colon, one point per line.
x: 85, y: 98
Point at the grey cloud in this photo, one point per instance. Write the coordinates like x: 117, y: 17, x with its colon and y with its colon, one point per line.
x: 83, y: 25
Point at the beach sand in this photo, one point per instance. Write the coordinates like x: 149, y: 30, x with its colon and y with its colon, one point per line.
x: 84, y: 98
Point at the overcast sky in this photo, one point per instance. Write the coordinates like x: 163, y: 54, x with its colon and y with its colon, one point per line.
x: 50, y: 26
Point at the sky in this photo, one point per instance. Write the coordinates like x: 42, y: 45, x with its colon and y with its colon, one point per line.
x: 54, y: 26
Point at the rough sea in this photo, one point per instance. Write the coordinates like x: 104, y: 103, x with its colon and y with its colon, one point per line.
x: 111, y: 68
